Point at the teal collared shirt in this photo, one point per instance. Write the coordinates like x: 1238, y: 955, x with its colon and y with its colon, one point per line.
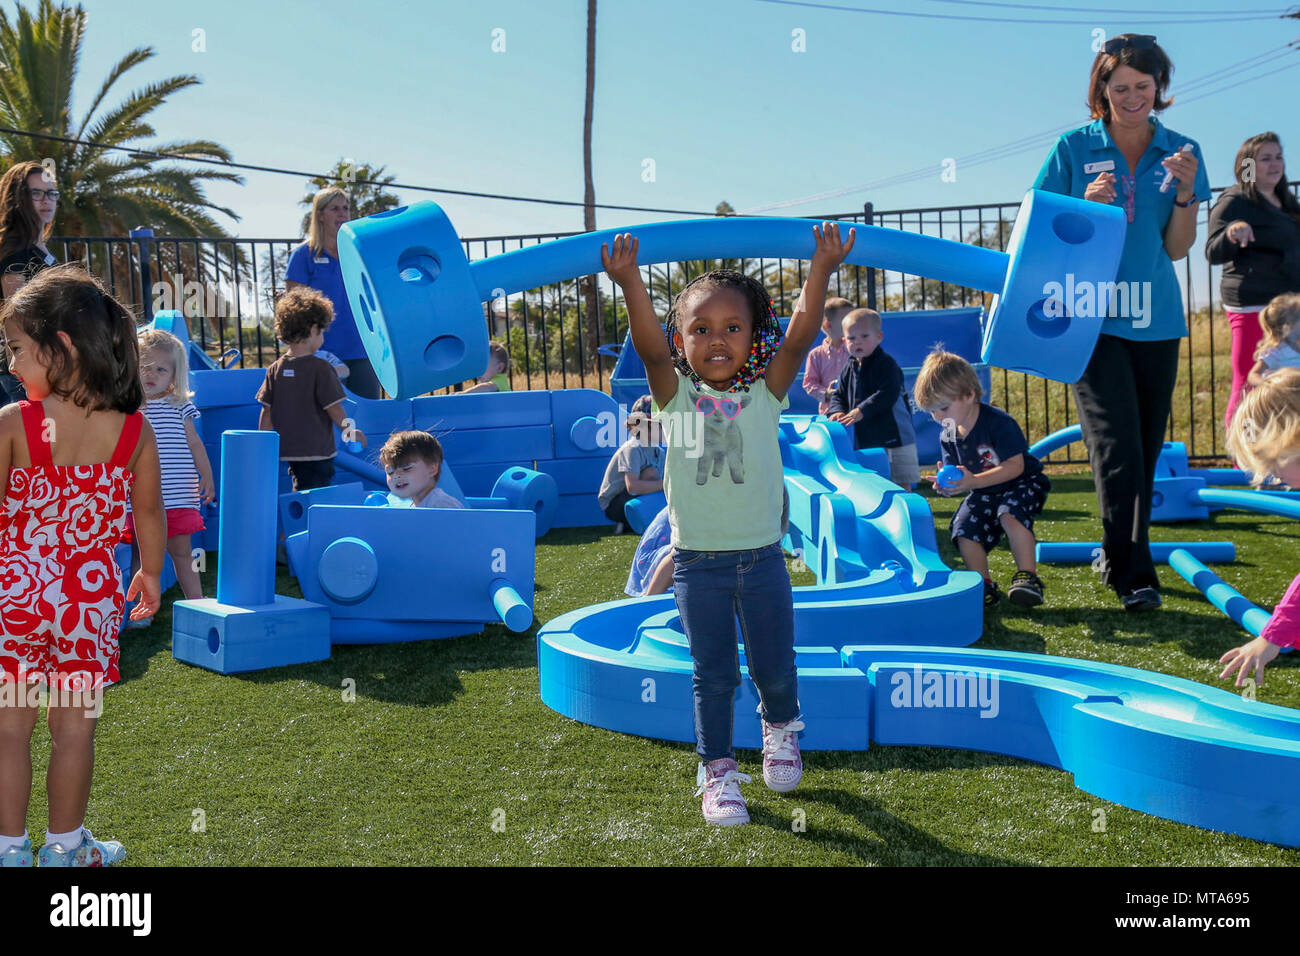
x: 1149, y: 305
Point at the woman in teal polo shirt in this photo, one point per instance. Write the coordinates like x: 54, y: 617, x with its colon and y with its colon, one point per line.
x: 315, y: 264
x: 1124, y: 157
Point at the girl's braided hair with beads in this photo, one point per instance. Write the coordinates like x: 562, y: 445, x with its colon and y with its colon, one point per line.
x: 767, y: 330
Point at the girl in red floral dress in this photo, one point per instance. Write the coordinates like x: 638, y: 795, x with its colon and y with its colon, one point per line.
x: 69, y: 459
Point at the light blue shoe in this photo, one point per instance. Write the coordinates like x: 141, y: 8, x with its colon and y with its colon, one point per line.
x: 89, y: 852
x: 18, y: 855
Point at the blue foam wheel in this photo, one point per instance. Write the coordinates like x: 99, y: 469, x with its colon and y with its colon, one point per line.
x: 348, y: 570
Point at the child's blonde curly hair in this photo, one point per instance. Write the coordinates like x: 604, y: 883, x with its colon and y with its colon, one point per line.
x: 156, y: 340
x: 1265, y: 430
x: 1277, y: 319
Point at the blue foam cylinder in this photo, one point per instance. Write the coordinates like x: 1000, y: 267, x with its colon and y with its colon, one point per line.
x: 1057, y: 440
x: 417, y: 299
x: 513, y: 610
x: 250, y: 463
x: 1081, y: 552
x: 528, y: 490
x: 640, y: 511
x: 1228, y: 600
x: 1259, y: 501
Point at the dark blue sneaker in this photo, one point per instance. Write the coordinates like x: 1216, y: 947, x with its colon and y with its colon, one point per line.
x: 1142, y: 599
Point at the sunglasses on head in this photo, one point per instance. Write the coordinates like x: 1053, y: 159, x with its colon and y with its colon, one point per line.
x: 1144, y: 41
x: 707, y: 405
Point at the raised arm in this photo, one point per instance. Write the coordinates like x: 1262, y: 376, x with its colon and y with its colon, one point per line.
x: 647, y: 334
x: 807, y: 318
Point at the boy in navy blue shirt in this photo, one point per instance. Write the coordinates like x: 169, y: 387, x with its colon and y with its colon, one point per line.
x: 869, y: 396
x: 1004, y: 485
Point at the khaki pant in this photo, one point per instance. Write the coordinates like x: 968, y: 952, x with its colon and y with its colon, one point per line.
x: 904, y: 469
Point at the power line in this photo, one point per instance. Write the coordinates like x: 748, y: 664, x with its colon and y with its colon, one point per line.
x: 1174, y: 15
x: 1036, y: 140
x: 137, y: 152
x: 1182, y: 20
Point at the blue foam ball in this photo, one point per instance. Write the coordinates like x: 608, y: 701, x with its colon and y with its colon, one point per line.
x: 949, y: 476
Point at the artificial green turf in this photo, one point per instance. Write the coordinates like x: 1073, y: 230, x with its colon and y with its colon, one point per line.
x: 446, y: 738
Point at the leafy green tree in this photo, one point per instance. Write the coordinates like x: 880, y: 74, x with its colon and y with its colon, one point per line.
x: 365, y: 185
x: 104, y: 191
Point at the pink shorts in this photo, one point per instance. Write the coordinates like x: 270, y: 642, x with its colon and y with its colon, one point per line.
x: 179, y: 521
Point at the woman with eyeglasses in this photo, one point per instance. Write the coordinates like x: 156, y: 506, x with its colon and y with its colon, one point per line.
x: 29, y: 198
x: 315, y: 264
x: 1127, y: 157
x: 1254, y: 234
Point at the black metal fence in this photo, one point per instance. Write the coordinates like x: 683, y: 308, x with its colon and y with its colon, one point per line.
x: 228, y: 288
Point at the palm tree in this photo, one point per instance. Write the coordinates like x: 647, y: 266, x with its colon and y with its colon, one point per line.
x: 590, y: 289
x: 364, y: 184
x: 105, y: 191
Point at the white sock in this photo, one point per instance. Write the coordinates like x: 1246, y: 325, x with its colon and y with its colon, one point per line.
x: 66, y: 840
x: 12, y: 843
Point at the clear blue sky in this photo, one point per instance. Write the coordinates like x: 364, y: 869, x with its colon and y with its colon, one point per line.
x: 711, y: 91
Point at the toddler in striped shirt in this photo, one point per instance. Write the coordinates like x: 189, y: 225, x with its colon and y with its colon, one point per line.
x: 186, y: 472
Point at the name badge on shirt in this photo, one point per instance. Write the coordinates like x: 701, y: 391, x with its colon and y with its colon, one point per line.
x: 325, y: 260
x: 288, y: 373
x: 1101, y: 166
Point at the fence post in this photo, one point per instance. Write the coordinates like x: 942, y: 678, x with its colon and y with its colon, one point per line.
x: 868, y: 213
x: 144, y: 242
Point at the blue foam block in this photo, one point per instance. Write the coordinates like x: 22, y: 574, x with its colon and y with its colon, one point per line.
x: 447, y: 413
x: 579, y: 511
x: 1040, y: 323
x: 529, y: 442
x: 232, y: 640
x: 415, y: 304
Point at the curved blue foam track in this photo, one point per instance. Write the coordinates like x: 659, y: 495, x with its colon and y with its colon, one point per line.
x: 1227, y: 599
x: 872, y: 547
x: 1163, y: 745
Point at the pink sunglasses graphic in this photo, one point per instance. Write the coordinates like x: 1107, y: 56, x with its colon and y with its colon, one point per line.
x: 706, y: 405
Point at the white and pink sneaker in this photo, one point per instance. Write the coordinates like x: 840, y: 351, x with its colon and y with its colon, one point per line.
x: 719, y: 783
x: 782, y: 765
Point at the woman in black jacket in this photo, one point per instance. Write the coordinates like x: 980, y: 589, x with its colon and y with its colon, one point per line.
x: 29, y: 198
x: 1255, y: 236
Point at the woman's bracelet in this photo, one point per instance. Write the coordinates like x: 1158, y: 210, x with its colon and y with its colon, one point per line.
x: 1184, y: 205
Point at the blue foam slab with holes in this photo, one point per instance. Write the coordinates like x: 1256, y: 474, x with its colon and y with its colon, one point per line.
x: 1041, y: 322
x: 435, y: 565
x: 233, y: 640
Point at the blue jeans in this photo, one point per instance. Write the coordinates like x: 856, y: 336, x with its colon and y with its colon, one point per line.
x: 713, y: 589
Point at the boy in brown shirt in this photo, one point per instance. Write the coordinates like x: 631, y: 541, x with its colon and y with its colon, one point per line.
x: 302, y: 395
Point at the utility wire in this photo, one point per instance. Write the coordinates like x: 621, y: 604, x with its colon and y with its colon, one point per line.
x: 1183, y: 18
x: 137, y: 152
x: 1037, y: 140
